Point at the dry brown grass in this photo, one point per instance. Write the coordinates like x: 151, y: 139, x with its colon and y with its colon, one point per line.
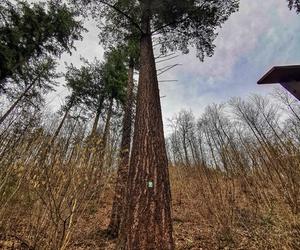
x: 201, y: 219
x: 205, y: 220
x: 240, y: 189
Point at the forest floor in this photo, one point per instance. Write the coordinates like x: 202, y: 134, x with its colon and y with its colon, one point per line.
x: 189, y: 231
x: 203, y: 223
x: 188, y: 234
x: 200, y: 221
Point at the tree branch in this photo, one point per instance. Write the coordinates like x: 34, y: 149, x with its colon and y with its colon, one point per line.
x: 124, y: 14
x: 164, y: 56
x: 176, y: 22
x: 171, y: 23
x: 168, y: 59
x: 169, y: 68
x: 162, y: 81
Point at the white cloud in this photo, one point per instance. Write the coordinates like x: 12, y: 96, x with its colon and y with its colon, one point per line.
x: 238, y: 38
x: 239, y: 35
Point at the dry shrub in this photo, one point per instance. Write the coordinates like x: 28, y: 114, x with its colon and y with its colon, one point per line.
x: 45, y: 190
x: 235, y: 183
x: 221, y: 214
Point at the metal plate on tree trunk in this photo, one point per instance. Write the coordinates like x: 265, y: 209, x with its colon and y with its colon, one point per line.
x: 150, y: 184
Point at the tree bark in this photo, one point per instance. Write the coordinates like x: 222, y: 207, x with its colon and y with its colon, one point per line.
x: 147, y: 223
x: 121, y: 181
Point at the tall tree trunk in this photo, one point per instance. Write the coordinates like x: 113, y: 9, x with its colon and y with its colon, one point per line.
x: 147, y: 223
x: 102, y: 145
x: 62, y: 122
x: 17, y: 102
x: 97, y: 117
x: 121, y: 181
x: 67, y: 145
x: 96, y: 121
x: 186, y: 156
x: 107, y: 124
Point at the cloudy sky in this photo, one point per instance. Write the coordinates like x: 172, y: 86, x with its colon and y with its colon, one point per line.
x: 260, y: 35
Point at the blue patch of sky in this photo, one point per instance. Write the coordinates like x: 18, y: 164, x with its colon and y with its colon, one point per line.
x: 279, y: 45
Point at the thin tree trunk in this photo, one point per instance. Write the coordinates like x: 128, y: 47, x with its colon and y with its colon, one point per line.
x: 70, y: 136
x: 61, y: 123
x: 103, y: 142
x: 16, y: 102
x: 97, y: 117
x: 186, y: 156
x: 107, y: 124
x: 96, y: 121
x: 121, y: 181
x: 147, y: 223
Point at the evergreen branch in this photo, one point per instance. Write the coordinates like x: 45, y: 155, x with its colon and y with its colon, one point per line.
x: 124, y: 14
x: 169, y: 24
x: 175, y: 22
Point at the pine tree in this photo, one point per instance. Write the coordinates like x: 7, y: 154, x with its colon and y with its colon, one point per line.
x: 114, y: 75
x: 122, y: 173
x: 77, y: 82
x: 147, y: 223
x: 112, y: 34
x: 28, y: 31
x: 36, y: 79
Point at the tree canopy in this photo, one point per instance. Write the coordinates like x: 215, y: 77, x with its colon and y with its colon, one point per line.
x: 28, y: 31
x: 40, y: 74
x: 115, y: 74
x: 179, y: 25
x: 28, y: 88
x: 294, y: 4
x: 95, y: 82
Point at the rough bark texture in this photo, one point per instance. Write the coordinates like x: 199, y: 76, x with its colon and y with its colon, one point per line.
x: 147, y: 223
x: 121, y: 181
